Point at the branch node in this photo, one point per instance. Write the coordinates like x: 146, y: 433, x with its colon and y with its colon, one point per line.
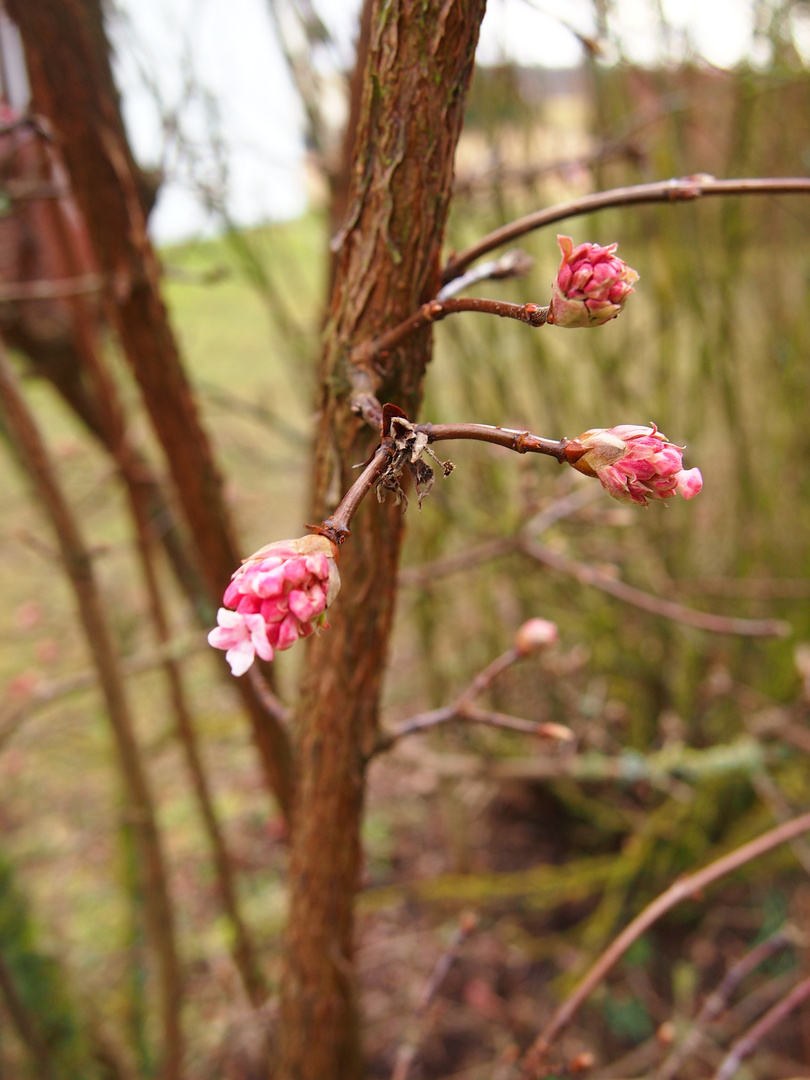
x: 332, y: 529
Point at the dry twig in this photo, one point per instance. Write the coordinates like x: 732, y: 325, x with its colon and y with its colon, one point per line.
x: 685, y: 887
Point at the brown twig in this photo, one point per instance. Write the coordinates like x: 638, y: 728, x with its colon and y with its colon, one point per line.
x: 486, y: 677
x: 470, y: 557
x: 50, y: 290
x: 771, y: 795
x: 414, y: 725
x: 336, y: 526
x: 425, y: 574
x: 436, y: 310
x: 716, y: 1003
x: 589, y: 575
x: 745, y: 1046
x: 33, y: 457
x: 243, y: 949
x: 513, y: 263
x: 272, y: 705
x: 410, y: 1047
x: 686, y: 188
x: 551, y: 731
x: 522, y: 442
x: 463, y: 709
x: 422, y: 722
x: 684, y: 888
x: 43, y: 693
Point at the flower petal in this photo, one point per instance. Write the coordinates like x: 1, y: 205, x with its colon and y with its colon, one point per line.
x: 240, y: 657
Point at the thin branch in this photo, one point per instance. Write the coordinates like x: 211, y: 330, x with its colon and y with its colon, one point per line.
x: 414, y: 725
x: 336, y: 526
x: 242, y: 947
x: 716, y: 1003
x: 273, y: 706
x: 522, y: 442
x: 512, y: 264
x: 771, y: 795
x: 556, y: 732
x: 425, y: 574
x: 43, y: 693
x: 690, y: 886
x: 744, y: 1047
x: 409, y: 1049
x: 33, y: 457
x: 50, y: 290
x: 422, y: 722
x: 436, y: 310
x: 485, y: 678
x: 589, y: 575
x: 463, y: 709
x: 686, y: 188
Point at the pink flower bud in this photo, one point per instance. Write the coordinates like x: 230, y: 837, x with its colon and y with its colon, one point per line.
x: 591, y: 286
x: 277, y: 596
x: 634, y: 464
x: 535, y: 635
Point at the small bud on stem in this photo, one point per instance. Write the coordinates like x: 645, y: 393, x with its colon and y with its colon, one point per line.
x: 535, y: 635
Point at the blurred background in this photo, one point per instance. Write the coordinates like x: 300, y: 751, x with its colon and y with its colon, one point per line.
x: 686, y: 742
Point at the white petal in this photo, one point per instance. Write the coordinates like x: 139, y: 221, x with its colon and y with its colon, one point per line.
x: 240, y: 657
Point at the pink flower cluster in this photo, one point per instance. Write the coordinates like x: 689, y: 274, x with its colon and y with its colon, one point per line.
x: 277, y: 596
x: 634, y: 464
x: 591, y: 286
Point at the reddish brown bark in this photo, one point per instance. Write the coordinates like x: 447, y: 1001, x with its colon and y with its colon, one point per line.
x: 340, y: 180
x: 419, y: 64
x: 242, y: 948
x: 33, y: 457
x: 43, y: 241
x: 72, y: 86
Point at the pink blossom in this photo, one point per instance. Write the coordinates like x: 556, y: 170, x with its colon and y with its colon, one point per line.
x: 634, y: 464
x: 591, y: 286
x: 277, y: 596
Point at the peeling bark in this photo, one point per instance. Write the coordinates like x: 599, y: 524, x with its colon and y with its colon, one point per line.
x: 72, y: 85
x: 417, y: 73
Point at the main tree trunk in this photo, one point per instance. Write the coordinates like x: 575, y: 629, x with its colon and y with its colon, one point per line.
x: 417, y: 74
